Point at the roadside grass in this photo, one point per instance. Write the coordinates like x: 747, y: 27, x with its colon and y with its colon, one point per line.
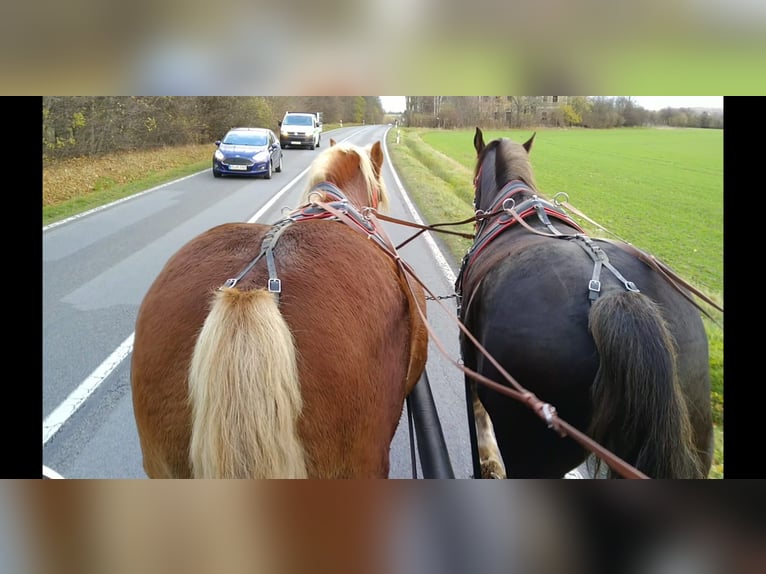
x: 664, y: 191
x: 77, y: 185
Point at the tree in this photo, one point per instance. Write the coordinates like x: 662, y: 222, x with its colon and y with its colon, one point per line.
x: 631, y: 113
x: 581, y: 105
x: 602, y: 113
x: 360, y: 106
x: 571, y: 117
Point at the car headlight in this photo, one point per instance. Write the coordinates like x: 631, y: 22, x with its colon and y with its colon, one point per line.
x: 261, y: 156
x: 218, y: 155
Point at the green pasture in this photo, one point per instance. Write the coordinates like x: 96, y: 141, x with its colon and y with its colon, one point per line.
x: 659, y: 189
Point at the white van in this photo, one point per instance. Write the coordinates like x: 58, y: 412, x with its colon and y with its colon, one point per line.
x: 300, y: 129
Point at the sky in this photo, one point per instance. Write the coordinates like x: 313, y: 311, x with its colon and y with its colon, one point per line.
x: 660, y: 102
x: 396, y: 104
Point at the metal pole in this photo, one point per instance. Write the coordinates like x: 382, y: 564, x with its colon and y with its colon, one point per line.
x: 472, y: 430
x: 432, y: 448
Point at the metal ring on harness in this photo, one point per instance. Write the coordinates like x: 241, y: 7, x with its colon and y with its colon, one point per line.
x: 313, y: 197
x: 559, y: 203
x: 512, y: 205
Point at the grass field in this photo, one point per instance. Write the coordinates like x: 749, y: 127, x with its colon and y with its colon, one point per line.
x: 659, y: 189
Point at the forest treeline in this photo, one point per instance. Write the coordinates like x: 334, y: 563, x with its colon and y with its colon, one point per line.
x: 75, y: 126
x: 555, y: 111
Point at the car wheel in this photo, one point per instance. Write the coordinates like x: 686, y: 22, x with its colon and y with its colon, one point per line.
x: 267, y: 175
x: 216, y: 173
x: 279, y: 165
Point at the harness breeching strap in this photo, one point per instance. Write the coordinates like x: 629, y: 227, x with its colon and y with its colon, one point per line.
x: 267, y: 250
x: 678, y: 283
x: 270, y: 239
x: 600, y: 259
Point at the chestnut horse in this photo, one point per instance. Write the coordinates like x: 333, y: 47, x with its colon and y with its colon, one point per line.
x: 298, y: 365
x: 586, y: 325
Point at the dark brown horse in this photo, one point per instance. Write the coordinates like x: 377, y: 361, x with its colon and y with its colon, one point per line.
x: 299, y: 364
x: 584, y: 324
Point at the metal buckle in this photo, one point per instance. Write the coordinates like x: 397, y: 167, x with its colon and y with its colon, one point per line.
x: 594, y: 285
x: 275, y: 285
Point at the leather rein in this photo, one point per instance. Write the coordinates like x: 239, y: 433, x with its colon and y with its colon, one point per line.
x: 544, y: 410
x: 367, y: 222
x: 518, y: 215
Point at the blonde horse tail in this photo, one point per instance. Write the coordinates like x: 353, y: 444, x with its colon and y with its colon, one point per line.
x: 244, y: 391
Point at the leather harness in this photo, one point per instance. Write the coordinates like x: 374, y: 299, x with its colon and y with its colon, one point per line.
x: 503, y: 213
x: 340, y: 206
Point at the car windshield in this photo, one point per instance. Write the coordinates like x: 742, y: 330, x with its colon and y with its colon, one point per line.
x: 297, y: 121
x: 246, y: 138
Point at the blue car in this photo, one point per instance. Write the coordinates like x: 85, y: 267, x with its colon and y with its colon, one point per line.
x: 248, y: 151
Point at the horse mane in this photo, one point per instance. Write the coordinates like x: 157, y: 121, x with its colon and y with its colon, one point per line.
x: 511, y: 162
x: 341, y: 164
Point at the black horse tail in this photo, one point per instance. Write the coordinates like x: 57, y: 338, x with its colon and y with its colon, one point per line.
x: 639, y: 411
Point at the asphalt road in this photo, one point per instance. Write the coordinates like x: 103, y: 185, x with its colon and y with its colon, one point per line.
x: 97, y: 267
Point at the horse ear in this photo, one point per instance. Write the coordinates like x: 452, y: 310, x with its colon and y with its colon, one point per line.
x: 376, y: 154
x: 528, y: 143
x: 478, y: 141
x: 332, y: 142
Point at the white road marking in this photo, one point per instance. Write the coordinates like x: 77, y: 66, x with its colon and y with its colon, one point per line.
x: 76, y: 398
x: 124, y: 199
x: 440, y: 259
x: 273, y: 200
x: 50, y: 473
